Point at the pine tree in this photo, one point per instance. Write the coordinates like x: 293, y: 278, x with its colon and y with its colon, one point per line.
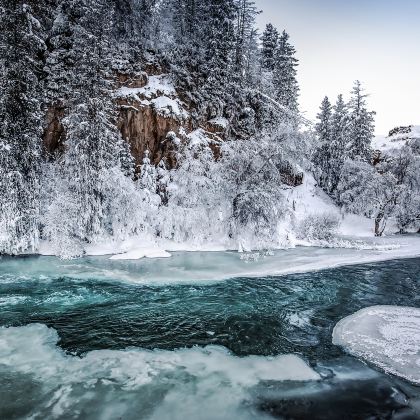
x: 322, y: 157
x: 61, y: 59
x: 285, y: 82
x: 360, y: 128
x: 246, y: 14
x: 323, y: 127
x: 95, y: 152
x: 21, y: 105
x: 269, y: 41
x: 219, y: 53
x: 338, y: 142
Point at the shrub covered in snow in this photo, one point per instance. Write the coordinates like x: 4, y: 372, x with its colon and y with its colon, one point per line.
x: 318, y: 227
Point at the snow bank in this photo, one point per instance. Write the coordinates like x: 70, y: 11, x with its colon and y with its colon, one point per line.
x: 387, y: 336
x: 141, y: 252
x: 309, y: 199
x: 203, y: 383
x: 397, y: 140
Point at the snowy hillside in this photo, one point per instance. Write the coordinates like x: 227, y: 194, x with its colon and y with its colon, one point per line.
x: 179, y: 126
x: 397, y: 138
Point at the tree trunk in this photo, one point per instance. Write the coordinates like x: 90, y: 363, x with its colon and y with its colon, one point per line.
x: 378, y: 220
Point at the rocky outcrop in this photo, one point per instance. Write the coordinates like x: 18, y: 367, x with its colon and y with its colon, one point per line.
x: 151, y: 116
x: 145, y: 129
x: 54, y: 135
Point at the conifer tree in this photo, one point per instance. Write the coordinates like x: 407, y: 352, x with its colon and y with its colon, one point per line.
x: 269, y: 42
x: 148, y: 174
x: 22, y: 48
x: 285, y: 82
x: 322, y: 158
x: 94, y: 147
x: 246, y: 14
x: 61, y: 59
x: 219, y: 52
x: 338, y: 142
x: 323, y: 127
x: 360, y: 127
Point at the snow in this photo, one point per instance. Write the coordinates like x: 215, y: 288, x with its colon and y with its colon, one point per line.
x: 198, y: 137
x: 156, y: 86
x: 159, y: 92
x: 386, y: 336
x: 309, y: 199
x: 396, y: 141
x: 167, y: 106
x: 212, y: 263
x: 210, y: 381
x: 142, y: 252
x: 220, y: 121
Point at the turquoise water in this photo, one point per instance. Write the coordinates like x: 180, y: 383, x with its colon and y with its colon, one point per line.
x: 199, y: 349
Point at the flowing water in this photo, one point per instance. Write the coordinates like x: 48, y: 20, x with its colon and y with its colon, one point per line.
x: 165, y: 339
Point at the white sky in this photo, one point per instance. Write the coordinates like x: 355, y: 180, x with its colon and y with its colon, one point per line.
x: 339, y: 41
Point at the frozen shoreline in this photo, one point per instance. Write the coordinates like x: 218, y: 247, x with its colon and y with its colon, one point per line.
x: 189, y: 265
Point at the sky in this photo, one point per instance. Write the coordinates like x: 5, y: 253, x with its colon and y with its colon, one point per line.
x: 339, y: 41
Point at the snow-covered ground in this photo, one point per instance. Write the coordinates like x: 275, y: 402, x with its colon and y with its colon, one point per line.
x: 387, y: 336
x: 354, y: 243
x: 202, y: 266
x: 397, y: 140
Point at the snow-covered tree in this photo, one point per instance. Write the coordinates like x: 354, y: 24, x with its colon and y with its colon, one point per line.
x: 360, y: 126
x: 404, y: 163
x: 323, y: 127
x: 284, y: 78
x: 338, y: 142
x: 148, y: 180
x: 245, y: 21
x: 269, y: 41
x: 21, y: 104
x: 94, y: 149
x: 363, y: 190
x: 322, y: 156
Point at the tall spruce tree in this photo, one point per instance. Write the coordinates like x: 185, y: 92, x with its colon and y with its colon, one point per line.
x: 361, y: 125
x: 246, y: 14
x: 269, y: 41
x: 322, y: 157
x: 219, y: 54
x: 338, y: 142
x: 94, y: 148
x: 285, y: 71
x: 22, y: 49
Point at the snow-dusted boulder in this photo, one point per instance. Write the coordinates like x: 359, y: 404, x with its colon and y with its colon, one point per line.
x: 386, y: 336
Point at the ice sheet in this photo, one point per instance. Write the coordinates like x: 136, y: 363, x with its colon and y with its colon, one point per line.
x: 387, y: 336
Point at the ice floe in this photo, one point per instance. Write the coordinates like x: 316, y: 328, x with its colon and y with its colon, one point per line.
x: 386, y: 336
x: 200, y: 382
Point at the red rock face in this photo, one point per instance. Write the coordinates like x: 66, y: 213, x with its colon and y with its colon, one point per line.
x: 54, y: 135
x: 142, y: 124
x: 144, y: 128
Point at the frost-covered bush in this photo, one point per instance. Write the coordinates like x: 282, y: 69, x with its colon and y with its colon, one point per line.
x: 237, y: 199
x: 318, y: 227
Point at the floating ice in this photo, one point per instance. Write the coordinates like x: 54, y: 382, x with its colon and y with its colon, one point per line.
x: 203, y: 383
x: 142, y: 252
x: 387, y: 336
